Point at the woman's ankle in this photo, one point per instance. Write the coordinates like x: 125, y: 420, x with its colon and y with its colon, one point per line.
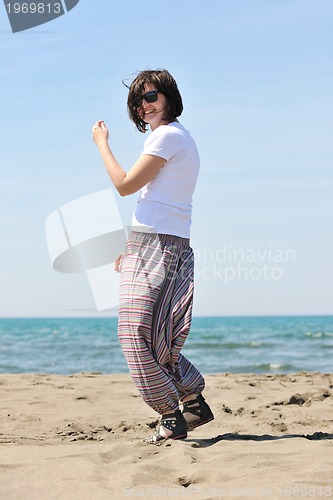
x: 190, y: 397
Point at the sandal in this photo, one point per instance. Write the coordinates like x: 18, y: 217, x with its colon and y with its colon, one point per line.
x: 174, y: 422
x: 200, y: 409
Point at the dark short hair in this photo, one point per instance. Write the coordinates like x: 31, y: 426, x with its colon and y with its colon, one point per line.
x: 164, y: 83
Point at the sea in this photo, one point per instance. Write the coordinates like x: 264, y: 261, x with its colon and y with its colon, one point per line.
x: 281, y: 344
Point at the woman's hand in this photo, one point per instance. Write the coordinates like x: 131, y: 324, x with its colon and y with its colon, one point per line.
x: 100, y: 133
x: 117, y: 263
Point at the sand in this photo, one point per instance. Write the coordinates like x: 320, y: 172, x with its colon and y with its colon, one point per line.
x: 82, y: 437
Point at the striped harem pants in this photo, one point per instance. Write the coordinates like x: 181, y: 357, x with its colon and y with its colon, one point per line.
x: 155, y: 313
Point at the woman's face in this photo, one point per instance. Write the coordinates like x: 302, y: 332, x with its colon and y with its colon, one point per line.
x: 152, y: 112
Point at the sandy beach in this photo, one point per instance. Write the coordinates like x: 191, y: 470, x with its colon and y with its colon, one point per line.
x: 82, y: 437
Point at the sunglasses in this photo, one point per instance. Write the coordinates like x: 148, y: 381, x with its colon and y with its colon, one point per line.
x: 151, y: 96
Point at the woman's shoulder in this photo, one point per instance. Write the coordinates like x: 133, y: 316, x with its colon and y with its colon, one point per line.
x: 167, y: 132
x: 165, y: 140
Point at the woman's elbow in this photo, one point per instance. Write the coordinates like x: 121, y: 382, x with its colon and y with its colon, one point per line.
x: 125, y: 190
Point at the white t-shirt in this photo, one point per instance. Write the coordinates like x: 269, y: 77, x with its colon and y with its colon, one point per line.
x: 165, y: 203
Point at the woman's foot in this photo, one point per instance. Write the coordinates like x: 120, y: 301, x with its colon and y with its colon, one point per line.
x: 172, y: 426
x: 196, y: 411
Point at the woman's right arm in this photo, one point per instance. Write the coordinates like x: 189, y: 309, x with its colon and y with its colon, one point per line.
x: 143, y: 170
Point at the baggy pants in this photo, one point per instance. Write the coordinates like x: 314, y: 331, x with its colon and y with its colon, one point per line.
x: 155, y: 313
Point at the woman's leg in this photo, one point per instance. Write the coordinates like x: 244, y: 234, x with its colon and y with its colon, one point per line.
x: 142, y: 277
x: 174, y: 317
x: 156, y: 296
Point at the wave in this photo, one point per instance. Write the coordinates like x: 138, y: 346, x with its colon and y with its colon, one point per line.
x: 200, y: 344
x: 319, y: 335
x: 267, y: 368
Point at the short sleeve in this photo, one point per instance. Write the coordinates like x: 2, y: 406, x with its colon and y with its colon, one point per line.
x: 161, y: 143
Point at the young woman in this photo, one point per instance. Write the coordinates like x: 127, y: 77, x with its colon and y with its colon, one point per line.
x: 156, y: 285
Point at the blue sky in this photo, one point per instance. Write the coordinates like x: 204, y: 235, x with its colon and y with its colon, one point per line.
x: 256, y: 79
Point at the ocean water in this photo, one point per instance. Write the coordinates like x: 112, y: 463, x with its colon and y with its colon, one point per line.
x: 215, y: 345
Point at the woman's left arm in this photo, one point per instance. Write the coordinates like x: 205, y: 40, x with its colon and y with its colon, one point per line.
x: 143, y: 170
